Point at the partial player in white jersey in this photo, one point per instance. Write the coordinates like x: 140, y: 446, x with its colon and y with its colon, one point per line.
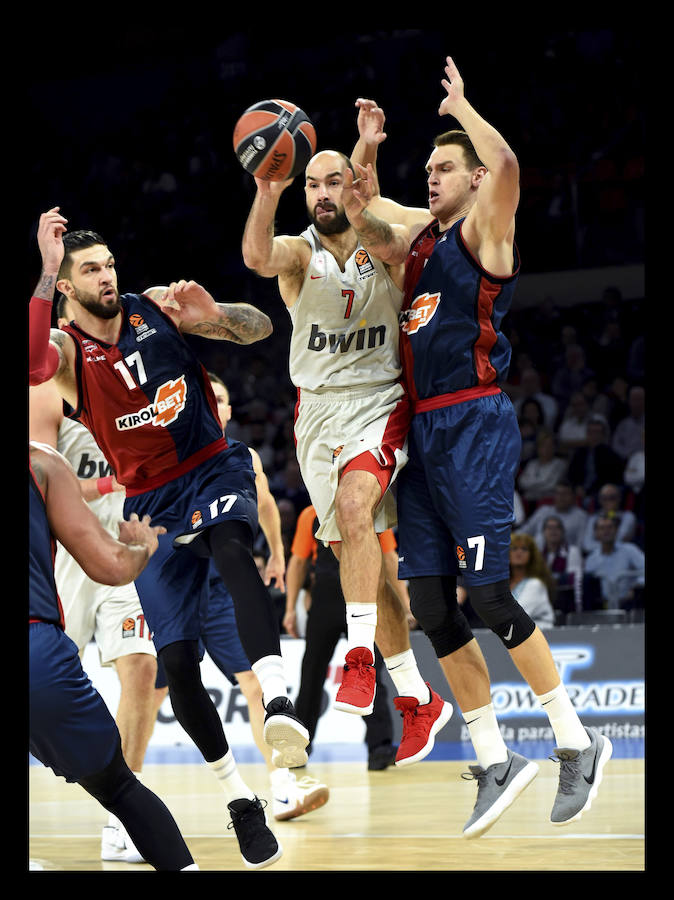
x: 351, y: 424
x: 112, y: 616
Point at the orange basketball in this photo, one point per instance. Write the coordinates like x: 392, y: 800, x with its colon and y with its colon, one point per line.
x: 274, y: 140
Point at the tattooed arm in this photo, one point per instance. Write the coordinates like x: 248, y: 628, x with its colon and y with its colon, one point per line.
x: 194, y: 311
x: 390, y: 243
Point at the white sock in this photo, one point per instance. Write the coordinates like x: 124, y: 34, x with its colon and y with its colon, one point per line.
x: 193, y: 868
x: 486, y: 736
x: 231, y: 782
x: 402, y: 667
x: 278, y: 777
x: 568, y: 729
x: 361, y: 623
x: 271, y: 675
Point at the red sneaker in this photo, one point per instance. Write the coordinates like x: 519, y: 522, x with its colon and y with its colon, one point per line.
x: 421, y: 722
x: 356, y: 692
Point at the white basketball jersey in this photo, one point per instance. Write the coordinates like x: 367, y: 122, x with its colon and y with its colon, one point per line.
x: 76, y: 443
x: 345, y: 324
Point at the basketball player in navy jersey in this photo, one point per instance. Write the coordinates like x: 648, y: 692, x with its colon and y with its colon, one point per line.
x: 71, y: 729
x: 455, y: 499
x: 126, y: 370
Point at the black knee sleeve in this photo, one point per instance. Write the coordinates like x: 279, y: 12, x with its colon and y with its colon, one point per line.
x: 108, y: 785
x: 191, y: 702
x: 434, y: 605
x: 500, y: 612
x: 230, y: 545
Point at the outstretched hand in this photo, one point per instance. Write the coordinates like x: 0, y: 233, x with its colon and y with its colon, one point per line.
x: 189, y: 303
x: 357, y: 192
x: 370, y: 121
x: 50, y: 231
x: 453, y: 84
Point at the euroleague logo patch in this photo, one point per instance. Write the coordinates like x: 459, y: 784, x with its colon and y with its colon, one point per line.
x: 141, y: 327
x: 421, y: 311
x: 363, y: 262
x: 461, y: 556
x: 169, y: 402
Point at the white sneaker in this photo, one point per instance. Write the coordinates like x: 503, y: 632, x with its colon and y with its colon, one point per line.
x: 294, y: 798
x: 116, y: 845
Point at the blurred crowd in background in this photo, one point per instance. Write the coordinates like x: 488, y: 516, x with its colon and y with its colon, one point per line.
x: 138, y: 148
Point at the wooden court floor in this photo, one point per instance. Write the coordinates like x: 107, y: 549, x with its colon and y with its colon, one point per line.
x: 393, y: 821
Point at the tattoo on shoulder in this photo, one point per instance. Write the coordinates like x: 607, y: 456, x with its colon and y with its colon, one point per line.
x: 58, y: 339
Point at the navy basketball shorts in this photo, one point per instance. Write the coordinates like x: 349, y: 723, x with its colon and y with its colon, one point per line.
x: 219, y: 634
x: 71, y: 728
x: 456, y: 493
x: 174, y: 585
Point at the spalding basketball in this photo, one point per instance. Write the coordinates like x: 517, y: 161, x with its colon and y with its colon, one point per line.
x: 274, y: 140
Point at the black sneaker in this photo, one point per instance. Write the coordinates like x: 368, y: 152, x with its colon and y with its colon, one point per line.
x: 381, y: 757
x: 258, y: 846
x: 284, y: 732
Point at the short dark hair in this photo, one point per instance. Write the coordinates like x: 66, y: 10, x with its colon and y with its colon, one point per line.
x: 216, y: 378
x: 77, y: 240
x: 457, y: 136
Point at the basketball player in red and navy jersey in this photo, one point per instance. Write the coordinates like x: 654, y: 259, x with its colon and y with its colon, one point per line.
x: 71, y: 729
x: 456, y: 494
x: 126, y: 370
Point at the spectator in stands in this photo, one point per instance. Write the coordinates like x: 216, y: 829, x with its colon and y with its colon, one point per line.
x: 596, y: 464
x: 620, y: 568
x: 564, y: 505
x: 627, y: 435
x: 572, y: 431
x: 635, y: 470
x: 571, y: 375
x: 610, y: 499
x: 565, y: 562
x: 530, y: 388
x: 539, y: 476
x: 531, y: 583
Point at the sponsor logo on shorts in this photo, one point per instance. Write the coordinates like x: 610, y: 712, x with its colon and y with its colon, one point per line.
x: 169, y: 402
x: 461, y: 556
x: 128, y: 628
x: 421, y: 311
x: 197, y: 518
x: 337, y: 451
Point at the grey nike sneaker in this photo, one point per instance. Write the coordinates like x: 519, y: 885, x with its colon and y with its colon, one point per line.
x: 497, y: 787
x: 580, y: 774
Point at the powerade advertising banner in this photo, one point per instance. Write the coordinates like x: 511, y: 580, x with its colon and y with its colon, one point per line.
x: 602, y: 667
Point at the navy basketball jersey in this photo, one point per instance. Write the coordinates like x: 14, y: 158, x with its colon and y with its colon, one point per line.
x: 146, y: 399
x: 451, y: 315
x: 44, y: 604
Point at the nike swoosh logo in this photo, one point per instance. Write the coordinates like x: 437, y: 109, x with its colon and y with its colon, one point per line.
x: 281, y: 800
x: 500, y: 782
x: 473, y: 720
x: 316, y: 276
x: 359, y: 615
x: 509, y: 634
x: 590, y: 780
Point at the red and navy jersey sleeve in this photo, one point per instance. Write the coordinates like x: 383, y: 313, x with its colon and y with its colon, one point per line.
x: 452, y: 312
x: 146, y: 399
x: 44, y: 604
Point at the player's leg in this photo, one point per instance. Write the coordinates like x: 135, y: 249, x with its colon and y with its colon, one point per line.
x: 73, y: 732
x: 230, y: 546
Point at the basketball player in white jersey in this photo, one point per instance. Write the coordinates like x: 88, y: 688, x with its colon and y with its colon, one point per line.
x: 351, y: 425
x: 111, y: 615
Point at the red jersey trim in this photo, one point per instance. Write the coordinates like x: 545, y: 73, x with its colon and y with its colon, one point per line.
x: 442, y: 400
x: 149, y: 484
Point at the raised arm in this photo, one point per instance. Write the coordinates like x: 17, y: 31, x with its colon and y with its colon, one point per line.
x: 370, y: 135
x: 270, y: 256
x: 105, y: 559
x: 51, y: 352
x: 492, y: 215
x: 388, y: 242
